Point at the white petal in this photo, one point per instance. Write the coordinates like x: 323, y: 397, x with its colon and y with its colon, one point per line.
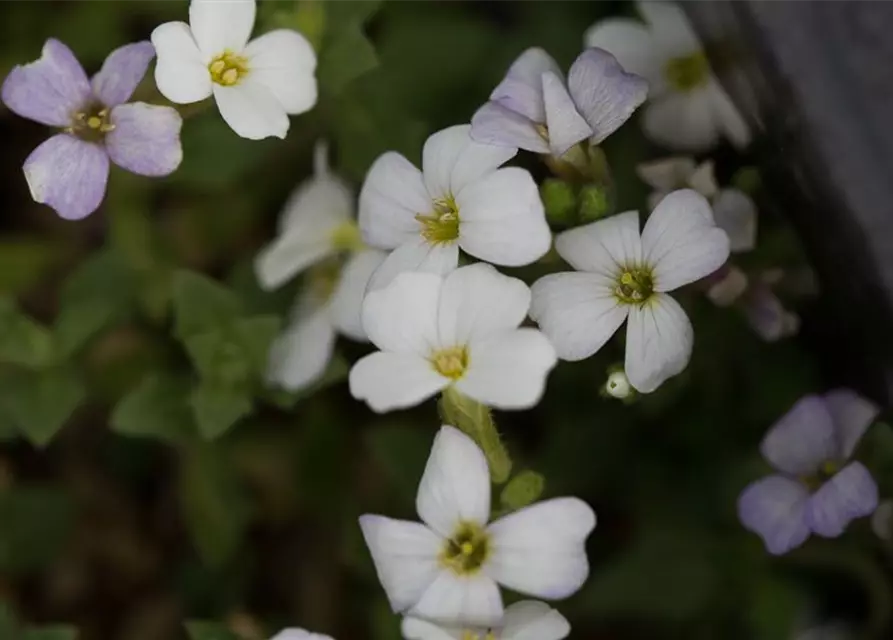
x: 402, y: 317
x: 727, y: 117
x: 451, y: 160
x: 418, y: 629
x: 533, y: 620
x: 301, y: 354
x: 659, y: 340
x: 455, y: 487
x: 540, y: 550
x: 387, y: 381
x: 683, y: 121
x: 181, y: 72
x: 392, y: 195
x: 299, y: 634
x: 219, y: 25
x: 477, y: 301
x: 288, y: 256
x: 251, y: 110
x: 882, y: 520
x: 577, y: 311
x: 284, y: 62
x: 522, y: 89
x: 703, y: 179
x: 508, y: 371
x: 502, y: 220
x: 736, y: 214
x: 565, y: 125
x: 473, y: 599
x: 604, y: 247
x: 680, y: 241
x: 633, y: 46
x: 667, y: 174
x: 405, y: 557
x: 497, y: 125
x: 347, y: 300
x: 416, y: 255
x: 672, y: 32
x: 317, y: 206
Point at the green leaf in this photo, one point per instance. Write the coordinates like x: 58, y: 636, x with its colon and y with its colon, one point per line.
x: 55, y: 632
x: 40, y: 402
x: 345, y: 57
x: 197, y: 630
x: 105, y: 276
x: 157, y: 408
x: 255, y: 335
x: 8, y: 430
x: 37, y: 524
x: 523, y: 489
x: 201, y: 304
x: 218, y: 357
x: 22, y: 341
x: 80, y: 321
x: 24, y: 261
x: 217, y: 408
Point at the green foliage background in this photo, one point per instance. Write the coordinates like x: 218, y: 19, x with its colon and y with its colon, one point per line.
x: 147, y: 477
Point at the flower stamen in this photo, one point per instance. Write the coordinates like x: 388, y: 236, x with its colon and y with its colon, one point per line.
x: 442, y: 225
x: 466, y: 550
x: 91, y: 124
x: 688, y: 72
x: 450, y: 363
x: 347, y: 237
x: 228, y: 68
x: 634, y: 286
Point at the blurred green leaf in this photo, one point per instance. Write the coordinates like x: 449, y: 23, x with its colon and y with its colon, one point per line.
x: 8, y: 430
x: 775, y: 609
x: 217, y: 408
x: 55, y: 632
x: 40, y: 402
x: 219, y: 358
x: 22, y: 341
x: 103, y: 276
x: 346, y: 53
x: 157, y: 408
x: 79, y: 321
x: 523, y: 489
x: 209, y: 631
x: 24, y: 261
x: 8, y: 624
x: 401, y: 452
x: 201, y: 303
x: 36, y: 524
x: 255, y: 335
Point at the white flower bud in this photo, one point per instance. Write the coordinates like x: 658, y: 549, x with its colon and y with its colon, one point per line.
x: 618, y: 385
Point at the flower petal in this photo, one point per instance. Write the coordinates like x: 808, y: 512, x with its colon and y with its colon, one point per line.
x: 497, y: 125
x: 672, y: 32
x: 850, y: 494
x: 284, y: 62
x: 606, y: 96
x: 765, y: 313
x: 667, y: 174
x: 68, y: 175
x: 415, y: 255
x: 703, y: 180
x: 533, y: 620
x: 347, y: 300
x: 502, y: 220
x: 387, y: 381
x: 540, y: 550
x: 882, y: 520
x: 727, y: 117
x: 565, y: 125
x: 578, y: 311
x: 251, y: 109
x: 181, y: 71
x: 802, y: 439
x: 736, y: 214
x: 775, y: 509
x: 852, y: 415
x: 604, y: 247
x: 473, y: 599
x: 392, y: 195
x: 522, y: 91
x: 659, y: 340
x: 121, y: 72
x: 299, y: 634
x: 289, y: 255
x: 509, y: 370
x: 418, y: 629
x: 146, y: 139
x: 682, y: 121
x: 219, y: 26
x: 632, y: 45
x: 299, y: 357
x: 50, y: 89
x: 405, y: 557
x: 402, y: 317
x: 680, y: 241
x: 476, y: 301
x: 451, y: 160
x: 455, y: 486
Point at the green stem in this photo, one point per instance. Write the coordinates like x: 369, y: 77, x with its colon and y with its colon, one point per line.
x: 476, y: 420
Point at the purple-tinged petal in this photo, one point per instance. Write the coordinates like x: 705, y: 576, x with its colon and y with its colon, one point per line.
x: 802, y: 439
x: 146, y: 138
x: 605, y: 95
x: 121, y: 72
x: 522, y: 91
x: 775, y: 509
x: 852, y: 415
x: 502, y: 127
x: 765, y: 314
x: 565, y: 125
x: 50, y: 89
x: 850, y: 494
x: 68, y: 175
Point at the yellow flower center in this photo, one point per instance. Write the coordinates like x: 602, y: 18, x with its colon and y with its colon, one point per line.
x: 466, y: 550
x: 442, y: 225
x: 346, y: 237
x: 634, y: 286
x: 323, y: 278
x: 477, y: 634
x: 450, y: 363
x: 91, y: 124
x: 827, y: 470
x: 686, y: 73
x: 228, y: 68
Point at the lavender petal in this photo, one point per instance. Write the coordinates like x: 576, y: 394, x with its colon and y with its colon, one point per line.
x: 68, y: 175
x: 605, y: 95
x: 499, y: 126
x: 146, y: 139
x: 565, y: 125
x: 522, y: 91
x: 765, y: 313
x: 121, y: 72
x: 852, y: 415
x: 850, y: 494
x: 775, y: 509
x: 802, y: 439
x: 50, y: 89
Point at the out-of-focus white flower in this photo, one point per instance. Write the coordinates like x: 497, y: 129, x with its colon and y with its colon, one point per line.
x: 460, y: 200
x: 448, y: 568
x: 618, y: 385
x: 525, y: 620
x: 728, y: 287
x: 688, y: 109
x: 767, y: 315
x: 882, y: 520
x: 627, y: 274
x: 677, y: 172
x: 299, y: 634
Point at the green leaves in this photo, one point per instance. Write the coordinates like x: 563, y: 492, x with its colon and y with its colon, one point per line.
x: 157, y: 408
x: 522, y: 490
x: 217, y: 408
x: 201, y: 304
x: 40, y: 402
x: 346, y: 52
x: 22, y: 341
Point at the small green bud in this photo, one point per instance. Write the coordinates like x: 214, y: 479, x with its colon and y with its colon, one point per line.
x: 560, y: 202
x: 595, y: 203
x: 522, y: 490
x: 747, y: 179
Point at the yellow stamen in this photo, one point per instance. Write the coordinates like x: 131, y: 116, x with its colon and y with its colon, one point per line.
x: 442, y: 225
x: 450, y: 363
x: 466, y: 550
x: 228, y: 68
x: 634, y: 286
x: 688, y: 72
x: 347, y: 237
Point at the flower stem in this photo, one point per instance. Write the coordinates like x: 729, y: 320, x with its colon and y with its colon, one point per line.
x: 476, y: 421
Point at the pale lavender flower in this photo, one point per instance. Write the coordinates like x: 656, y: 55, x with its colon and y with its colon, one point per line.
x: 69, y: 171
x: 816, y: 490
x: 534, y: 108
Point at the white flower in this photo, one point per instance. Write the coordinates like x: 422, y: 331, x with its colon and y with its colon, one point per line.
x: 736, y: 214
x: 461, y: 200
x: 625, y: 274
x: 315, y: 227
x: 727, y: 290
x: 460, y: 330
x: 255, y: 84
x: 618, y: 385
x: 447, y: 569
x: 882, y: 520
x: 299, y: 634
x: 688, y: 108
x: 767, y: 315
x: 677, y: 172
x: 525, y: 620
